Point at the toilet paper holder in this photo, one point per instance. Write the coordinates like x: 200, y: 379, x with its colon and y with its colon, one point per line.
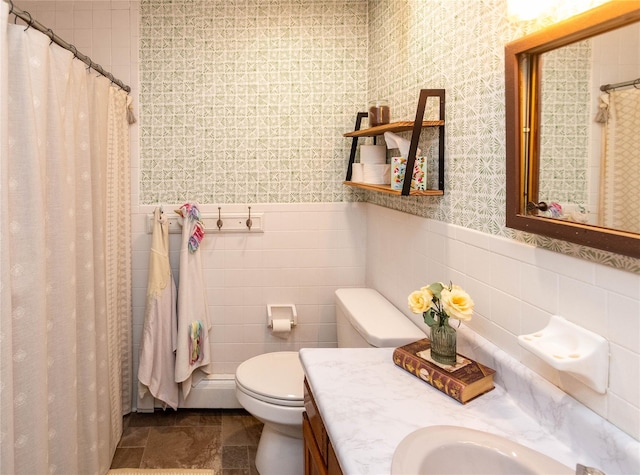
x: 276, y: 312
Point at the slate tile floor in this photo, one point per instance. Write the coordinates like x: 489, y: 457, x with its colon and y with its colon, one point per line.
x: 221, y: 439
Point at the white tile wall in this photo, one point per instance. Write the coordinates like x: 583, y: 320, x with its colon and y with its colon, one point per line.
x: 306, y: 252
x: 516, y: 288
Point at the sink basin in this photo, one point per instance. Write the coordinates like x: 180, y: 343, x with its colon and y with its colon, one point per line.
x: 448, y: 450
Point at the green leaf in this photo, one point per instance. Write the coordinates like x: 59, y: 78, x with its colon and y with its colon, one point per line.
x: 428, y: 318
x: 436, y: 289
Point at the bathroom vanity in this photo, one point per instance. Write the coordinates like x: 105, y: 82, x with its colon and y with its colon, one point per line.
x: 319, y: 455
x: 360, y: 406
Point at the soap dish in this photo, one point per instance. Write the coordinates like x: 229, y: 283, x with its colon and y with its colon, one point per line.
x: 570, y: 348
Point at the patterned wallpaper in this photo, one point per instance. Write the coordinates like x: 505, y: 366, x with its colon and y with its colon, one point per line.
x: 246, y: 101
x: 459, y: 46
x: 565, y: 124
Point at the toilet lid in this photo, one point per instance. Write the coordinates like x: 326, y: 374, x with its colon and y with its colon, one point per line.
x: 273, y: 377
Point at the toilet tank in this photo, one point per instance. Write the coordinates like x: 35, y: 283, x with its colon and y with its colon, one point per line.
x: 364, y: 318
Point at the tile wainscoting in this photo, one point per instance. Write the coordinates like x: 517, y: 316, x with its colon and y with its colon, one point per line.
x: 516, y: 288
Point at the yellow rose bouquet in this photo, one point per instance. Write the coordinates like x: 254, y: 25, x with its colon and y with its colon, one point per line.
x: 437, y: 303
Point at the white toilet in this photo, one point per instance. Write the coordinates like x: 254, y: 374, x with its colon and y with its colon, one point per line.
x: 270, y: 386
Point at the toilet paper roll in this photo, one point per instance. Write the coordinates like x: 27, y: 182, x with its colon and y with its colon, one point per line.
x: 281, y: 325
x: 357, y: 172
x: 373, y: 154
x: 377, y: 174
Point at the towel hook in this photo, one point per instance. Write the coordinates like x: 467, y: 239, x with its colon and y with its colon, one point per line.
x: 542, y: 206
x: 249, y: 222
x: 219, y: 222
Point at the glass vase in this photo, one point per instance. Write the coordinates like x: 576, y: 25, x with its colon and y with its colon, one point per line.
x: 443, y: 343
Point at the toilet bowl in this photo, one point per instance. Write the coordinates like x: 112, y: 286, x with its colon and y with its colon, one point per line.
x: 270, y: 386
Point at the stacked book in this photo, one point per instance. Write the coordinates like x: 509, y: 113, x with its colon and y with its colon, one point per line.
x: 463, y: 381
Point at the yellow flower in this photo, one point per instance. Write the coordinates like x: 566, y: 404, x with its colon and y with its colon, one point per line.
x: 420, y: 300
x: 457, y: 303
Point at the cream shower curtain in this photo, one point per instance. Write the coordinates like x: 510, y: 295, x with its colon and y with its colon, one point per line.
x: 621, y: 165
x: 65, y: 284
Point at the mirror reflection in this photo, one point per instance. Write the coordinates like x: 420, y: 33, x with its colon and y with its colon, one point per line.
x: 577, y: 198
x: 589, y: 146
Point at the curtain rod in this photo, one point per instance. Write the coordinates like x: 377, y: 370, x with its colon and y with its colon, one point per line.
x: 634, y: 82
x: 31, y: 23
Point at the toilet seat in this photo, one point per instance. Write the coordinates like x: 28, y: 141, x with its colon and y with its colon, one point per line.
x: 275, y: 378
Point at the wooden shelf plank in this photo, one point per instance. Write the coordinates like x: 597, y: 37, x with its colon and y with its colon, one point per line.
x: 392, y: 127
x: 387, y: 189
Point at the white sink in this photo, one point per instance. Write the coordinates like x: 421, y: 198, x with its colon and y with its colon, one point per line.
x: 448, y: 450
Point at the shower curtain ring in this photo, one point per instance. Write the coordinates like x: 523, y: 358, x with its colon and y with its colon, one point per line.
x: 636, y: 83
x: 10, y: 7
x: 89, y: 65
x: 75, y: 51
x: 28, y: 24
x: 51, y: 35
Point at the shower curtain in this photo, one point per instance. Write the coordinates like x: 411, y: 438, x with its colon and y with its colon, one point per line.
x: 65, y: 280
x: 621, y: 165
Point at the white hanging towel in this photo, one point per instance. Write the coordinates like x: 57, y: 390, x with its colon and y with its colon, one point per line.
x: 157, y: 348
x: 193, y: 353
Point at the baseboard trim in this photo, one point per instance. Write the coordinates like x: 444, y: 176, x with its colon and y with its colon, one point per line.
x: 217, y: 391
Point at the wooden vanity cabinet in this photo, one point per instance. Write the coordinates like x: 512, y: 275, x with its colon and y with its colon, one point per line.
x: 319, y: 456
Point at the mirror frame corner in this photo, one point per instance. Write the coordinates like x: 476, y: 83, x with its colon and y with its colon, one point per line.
x: 522, y: 87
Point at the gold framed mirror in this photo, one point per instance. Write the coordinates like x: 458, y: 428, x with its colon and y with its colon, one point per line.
x: 532, y: 204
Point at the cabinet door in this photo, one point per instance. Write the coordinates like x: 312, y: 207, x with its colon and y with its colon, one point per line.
x: 333, y: 466
x: 315, y: 420
x: 313, y: 460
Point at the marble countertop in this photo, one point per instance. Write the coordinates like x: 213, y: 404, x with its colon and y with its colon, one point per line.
x: 369, y: 405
